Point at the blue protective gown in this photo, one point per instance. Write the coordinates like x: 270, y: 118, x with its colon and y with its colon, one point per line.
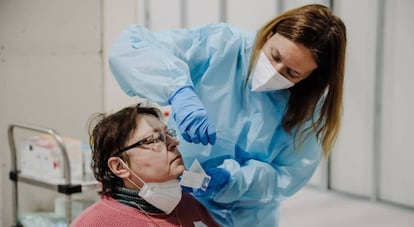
x: 268, y: 167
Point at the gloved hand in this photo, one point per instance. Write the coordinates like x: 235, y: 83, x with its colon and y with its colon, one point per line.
x: 219, y: 178
x: 191, y: 117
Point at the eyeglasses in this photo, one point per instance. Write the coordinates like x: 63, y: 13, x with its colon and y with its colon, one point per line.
x: 157, y: 137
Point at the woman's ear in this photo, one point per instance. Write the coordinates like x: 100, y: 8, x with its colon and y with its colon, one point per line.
x: 118, y: 168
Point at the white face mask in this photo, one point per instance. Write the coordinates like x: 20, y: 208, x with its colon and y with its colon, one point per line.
x: 266, y: 78
x: 164, y: 196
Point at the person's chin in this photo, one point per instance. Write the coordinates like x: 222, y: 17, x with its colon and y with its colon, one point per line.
x: 180, y: 169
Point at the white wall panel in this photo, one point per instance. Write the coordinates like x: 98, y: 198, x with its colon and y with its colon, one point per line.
x: 49, y: 27
x: 290, y: 4
x: 397, y: 144
x: 201, y: 12
x: 116, y: 18
x: 352, y: 160
x: 55, y: 91
x: 319, y: 178
x: 164, y: 14
x: 249, y: 14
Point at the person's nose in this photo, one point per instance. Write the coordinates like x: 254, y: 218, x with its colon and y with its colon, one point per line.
x: 171, y: 143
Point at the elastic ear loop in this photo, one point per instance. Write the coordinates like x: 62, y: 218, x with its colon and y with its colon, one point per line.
x: 130, y: 181
x: 132, y: 172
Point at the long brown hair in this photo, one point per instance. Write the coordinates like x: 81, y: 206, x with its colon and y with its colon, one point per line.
x: 324, y: 34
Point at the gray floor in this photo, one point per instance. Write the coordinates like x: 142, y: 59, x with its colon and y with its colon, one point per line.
x: 315, y: 208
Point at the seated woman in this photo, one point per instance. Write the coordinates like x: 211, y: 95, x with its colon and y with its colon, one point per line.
x: 136, y: 159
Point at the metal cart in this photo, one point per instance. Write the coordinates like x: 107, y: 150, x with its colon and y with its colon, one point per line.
x: 15, y: 176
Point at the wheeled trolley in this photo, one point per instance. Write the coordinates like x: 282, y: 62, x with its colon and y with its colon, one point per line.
x: 67, y: 187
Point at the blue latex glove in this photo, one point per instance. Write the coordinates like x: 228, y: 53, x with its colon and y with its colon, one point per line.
x: 219, y: 178
x: 191, y: 117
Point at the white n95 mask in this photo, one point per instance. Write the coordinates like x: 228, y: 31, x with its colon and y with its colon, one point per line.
x: 266, y: 77
x: 164, y: 196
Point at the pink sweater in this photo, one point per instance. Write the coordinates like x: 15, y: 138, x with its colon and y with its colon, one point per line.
x: 109, y: 212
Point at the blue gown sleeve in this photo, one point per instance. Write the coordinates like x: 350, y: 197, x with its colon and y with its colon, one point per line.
x: 256, y: 181
x: 154, y: 65
x: 150, y: 65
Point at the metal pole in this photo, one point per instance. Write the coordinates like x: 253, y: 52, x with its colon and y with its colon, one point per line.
x: 280, y: 6
x: 223, y: 10
x: 183, y: 14
x: 147, y: 15
x: 379, y: 72
x: 15, y: 201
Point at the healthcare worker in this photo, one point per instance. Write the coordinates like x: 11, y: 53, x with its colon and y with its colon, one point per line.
x: 257, y: 110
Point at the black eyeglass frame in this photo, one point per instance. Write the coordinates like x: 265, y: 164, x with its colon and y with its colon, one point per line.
x: 149, y: 140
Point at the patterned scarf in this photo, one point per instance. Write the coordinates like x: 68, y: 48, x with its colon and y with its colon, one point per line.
x: 131, y: 198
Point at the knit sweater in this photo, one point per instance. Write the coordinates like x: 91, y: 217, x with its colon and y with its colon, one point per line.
x: 109, y: 212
